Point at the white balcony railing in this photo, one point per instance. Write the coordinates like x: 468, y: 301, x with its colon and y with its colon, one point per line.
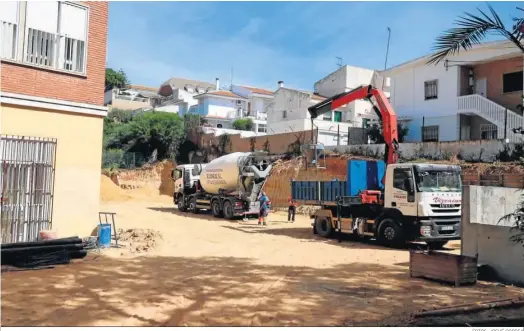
x: 505, y: 120
x: 8, y: 32
x: 53, y: 50
x: 43, y: 48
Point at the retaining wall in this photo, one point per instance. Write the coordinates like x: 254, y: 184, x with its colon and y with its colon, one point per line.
x: 476, y: 151
x: 482, y: 234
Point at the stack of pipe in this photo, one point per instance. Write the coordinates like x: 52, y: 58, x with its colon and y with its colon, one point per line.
x: 36, y: 254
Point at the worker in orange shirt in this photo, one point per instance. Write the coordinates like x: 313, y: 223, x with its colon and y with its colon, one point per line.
x: 291, y: 210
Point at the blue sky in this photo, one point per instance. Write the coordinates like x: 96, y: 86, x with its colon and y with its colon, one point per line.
x: 296, y: 42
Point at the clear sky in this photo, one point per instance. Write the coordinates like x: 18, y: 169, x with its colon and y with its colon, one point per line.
x: 265, y: 42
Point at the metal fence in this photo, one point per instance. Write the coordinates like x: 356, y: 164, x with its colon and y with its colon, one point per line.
x: 118, y: 159
x: 27, y: 185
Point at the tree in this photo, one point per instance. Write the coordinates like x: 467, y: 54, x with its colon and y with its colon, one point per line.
x: 244, y: 124
x: 517, y: 218
x: 376, y: 135
x: 116, y: 79
x: 472, y: 29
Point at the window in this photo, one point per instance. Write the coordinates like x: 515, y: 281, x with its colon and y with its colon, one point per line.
x: 54, y: 34
x: 365, y: 123
x: 488, y: 131
x: 512, y: 82
x: 284, y: 114
x: 262, y: 128
x: 399, y: 177
x: 430, y: 133
x: 338, y: 116
x: 326, y: 116
x: 430, y: 89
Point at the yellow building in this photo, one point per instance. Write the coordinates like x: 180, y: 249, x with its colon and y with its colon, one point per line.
x: 51, y: 122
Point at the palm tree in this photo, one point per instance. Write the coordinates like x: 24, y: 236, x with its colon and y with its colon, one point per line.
x: 472, y: 29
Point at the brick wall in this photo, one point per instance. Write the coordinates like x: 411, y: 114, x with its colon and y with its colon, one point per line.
x: 23, y: 79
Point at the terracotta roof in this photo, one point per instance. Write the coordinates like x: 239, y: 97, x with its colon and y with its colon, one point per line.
x: 227, y: 94
x: 144, y: 88
x: 258, y: 90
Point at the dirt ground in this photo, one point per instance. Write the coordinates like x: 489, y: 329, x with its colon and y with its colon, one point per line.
x: 195, y: 270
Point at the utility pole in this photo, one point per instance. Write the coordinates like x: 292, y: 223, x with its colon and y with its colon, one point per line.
x: 231, y: 82
x: 386, y: 60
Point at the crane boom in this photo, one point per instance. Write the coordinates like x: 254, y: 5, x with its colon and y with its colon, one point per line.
x: 382, y: 108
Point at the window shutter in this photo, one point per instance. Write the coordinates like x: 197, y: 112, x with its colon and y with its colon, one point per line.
x: 42, y: 15
x: 9, y: 11
x: 73, y: 21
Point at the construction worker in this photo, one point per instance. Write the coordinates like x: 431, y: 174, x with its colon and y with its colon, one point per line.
x: 291, y: 210
x: 264, y: 208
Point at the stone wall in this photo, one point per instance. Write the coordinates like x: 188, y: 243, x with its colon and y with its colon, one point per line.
x: 473, y: 151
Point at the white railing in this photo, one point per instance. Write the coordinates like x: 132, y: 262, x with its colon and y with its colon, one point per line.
x: 8, y: 32
x: 492, y: 112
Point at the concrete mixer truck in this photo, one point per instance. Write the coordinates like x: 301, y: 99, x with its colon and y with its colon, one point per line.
x: 229, y: 186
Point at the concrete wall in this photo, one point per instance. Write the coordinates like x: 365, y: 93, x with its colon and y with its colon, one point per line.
x: 78, y: 161
x: 128, y: 104
x: 482, y: 233
x: 486, y: 151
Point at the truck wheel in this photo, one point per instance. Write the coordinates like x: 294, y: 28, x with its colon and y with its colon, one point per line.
x: 323, y: 227
x: 437, y: 245
x: 390, y: 234
x: 228, y: 210
x: 181, y: 205
x: 215, y: 207
x: 192, y: 205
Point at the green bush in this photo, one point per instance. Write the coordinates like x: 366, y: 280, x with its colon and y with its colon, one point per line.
x: 112, y: 158
x: 143, y: 133
x: 244, y: 124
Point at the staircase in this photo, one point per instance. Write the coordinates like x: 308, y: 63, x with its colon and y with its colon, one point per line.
x: 493, y: 112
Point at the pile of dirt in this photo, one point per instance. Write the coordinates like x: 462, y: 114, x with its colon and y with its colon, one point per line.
x: 109, y: 191
x: 154, y: 177
x: 139, y: 240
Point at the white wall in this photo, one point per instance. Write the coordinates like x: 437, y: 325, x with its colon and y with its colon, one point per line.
x: 482, y: 233
x: 224, y: 108
x: 407, y: 91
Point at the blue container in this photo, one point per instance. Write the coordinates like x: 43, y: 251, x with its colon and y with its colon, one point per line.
x: 104, y: 235
x: 364, y: 175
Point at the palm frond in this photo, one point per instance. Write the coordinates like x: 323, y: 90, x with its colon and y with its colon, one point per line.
x: 472, y: 29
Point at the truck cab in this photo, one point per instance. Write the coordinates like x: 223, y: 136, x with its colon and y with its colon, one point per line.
x: 430, y: 194
x: 185, y: 177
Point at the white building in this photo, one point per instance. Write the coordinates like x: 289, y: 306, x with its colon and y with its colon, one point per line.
x: 290, y: 114
x: 132, y: 97
x: 477, y: 94
x: 358, y: 113
x: 222, y: 108
x: 178, y: 94
x: 260, y: 101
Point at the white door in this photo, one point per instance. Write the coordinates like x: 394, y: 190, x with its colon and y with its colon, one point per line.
x: 481, y: 87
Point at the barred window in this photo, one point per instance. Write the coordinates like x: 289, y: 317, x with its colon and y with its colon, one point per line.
x: 488, y: 131
x: 430, y: 133
x: 431, y: 89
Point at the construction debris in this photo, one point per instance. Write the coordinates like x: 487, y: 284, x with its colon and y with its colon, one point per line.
x: 140, y: 240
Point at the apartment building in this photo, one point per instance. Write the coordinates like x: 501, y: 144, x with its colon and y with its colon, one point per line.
x: 178, y: 93
x: 51, y: 118
x: 474, y: 95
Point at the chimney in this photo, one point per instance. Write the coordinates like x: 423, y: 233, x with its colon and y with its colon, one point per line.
x: 217, y: 83
x: 280, y: 83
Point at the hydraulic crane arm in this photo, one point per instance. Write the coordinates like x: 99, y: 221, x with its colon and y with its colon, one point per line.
x: 382, y: 108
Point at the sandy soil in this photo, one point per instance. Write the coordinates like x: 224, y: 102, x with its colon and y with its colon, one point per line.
x: 201, y: 271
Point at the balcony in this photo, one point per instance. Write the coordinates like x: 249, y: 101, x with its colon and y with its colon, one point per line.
x: 43, y: 49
